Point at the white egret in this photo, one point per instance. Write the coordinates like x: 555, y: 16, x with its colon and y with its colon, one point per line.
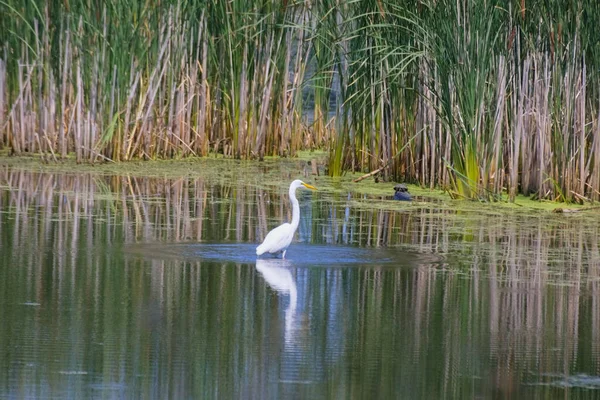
x: 280, y: 238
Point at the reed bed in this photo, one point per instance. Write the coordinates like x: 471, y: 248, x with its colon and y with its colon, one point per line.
x: 140, y: 80
x: 483, y: 98
x: 479, y: 97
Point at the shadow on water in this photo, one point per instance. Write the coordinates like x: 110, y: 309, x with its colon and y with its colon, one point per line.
x: 113, y: 286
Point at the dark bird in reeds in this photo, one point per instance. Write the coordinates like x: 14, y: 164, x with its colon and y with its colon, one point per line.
x: 402, y: 193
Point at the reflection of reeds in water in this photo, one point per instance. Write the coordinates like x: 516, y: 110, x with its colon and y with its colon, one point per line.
x: 524, y: 288
x: 192, y: 209
x: 183, y: 209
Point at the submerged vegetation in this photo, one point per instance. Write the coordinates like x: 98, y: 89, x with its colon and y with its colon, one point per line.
x: 479, y: 97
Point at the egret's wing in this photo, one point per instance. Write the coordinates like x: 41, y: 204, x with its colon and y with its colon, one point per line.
x: 278, y: 239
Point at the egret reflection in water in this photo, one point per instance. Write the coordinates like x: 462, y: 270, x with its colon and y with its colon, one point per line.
x: 293, y: 282
x: 279, y: 277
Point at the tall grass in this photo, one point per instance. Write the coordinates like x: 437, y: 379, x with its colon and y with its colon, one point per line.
x: 483, y: 98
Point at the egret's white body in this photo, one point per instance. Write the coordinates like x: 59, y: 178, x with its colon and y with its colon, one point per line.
x: 278, y: 240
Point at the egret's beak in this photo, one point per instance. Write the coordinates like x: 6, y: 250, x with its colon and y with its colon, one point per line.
x: 306, y: 185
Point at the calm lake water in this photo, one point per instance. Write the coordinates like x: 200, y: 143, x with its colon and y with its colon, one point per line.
x: 123, y: 287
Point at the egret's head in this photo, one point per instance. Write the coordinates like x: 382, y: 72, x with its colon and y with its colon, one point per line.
x: 298, y: 183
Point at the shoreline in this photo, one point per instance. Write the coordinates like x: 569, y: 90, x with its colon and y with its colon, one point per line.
x: 275, y: 171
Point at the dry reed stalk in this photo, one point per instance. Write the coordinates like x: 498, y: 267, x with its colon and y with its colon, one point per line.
x: 595, y: 175
x: 269, y: 73
x: 192, y: 77
x: 305, y: 47
x: 37, y: 112
x: 434, y: 130
x: 79, y: 114
x: 565, y: 155
x: 171, y: 116
x: 62, y: 141
x: 582, y: 124
x: 20, y: 138
x: 526, y: 163
x: 252, y: 128
x: 500, y: 105
x: 543, y: 128
x: 371, y: 151
x: 52, y: 115
x: 384, y: 150
x: 203, y: 105
x: 94, y: 121
x: 3, y: 90
x: 240, y: 133
x: 127, y: 133
x: 520, y: 90
x: 286, y: 99
x: 115, y: 143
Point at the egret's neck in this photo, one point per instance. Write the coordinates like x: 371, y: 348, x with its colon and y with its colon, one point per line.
x: 295, y: 208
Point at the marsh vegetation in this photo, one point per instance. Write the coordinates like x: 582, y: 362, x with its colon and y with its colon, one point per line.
x: 479, y: 97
